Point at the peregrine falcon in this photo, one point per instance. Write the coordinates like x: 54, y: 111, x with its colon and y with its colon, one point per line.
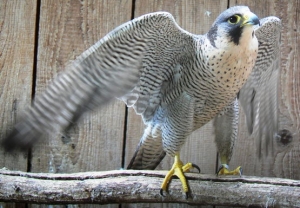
x: 177, y: 82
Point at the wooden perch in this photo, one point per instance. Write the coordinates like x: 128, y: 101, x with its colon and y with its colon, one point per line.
x: 128, y: 186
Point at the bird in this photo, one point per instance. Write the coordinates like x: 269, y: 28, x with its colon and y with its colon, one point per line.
x: 175, y: 80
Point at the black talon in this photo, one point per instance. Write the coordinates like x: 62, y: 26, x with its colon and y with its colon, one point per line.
x: 162, y: 192
x: 218, y: 171
x: 220, y: 168
x: 196, y: 166
x: 186, y: 195
x: 241, y: 171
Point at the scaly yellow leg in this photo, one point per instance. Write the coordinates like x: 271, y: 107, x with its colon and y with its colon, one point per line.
x: 178, y: 169
x: 224, y: 169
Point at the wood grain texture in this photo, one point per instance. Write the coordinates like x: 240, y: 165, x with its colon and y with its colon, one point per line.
x: 17, y: 35
x: 285, y: 161
x: 140, y: 186
x: 67, y: 28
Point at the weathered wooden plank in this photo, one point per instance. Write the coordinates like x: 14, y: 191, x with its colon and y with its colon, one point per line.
x: 17, y: 37
x: 285, y: 161
x: 67, y: 28
x: 17, y: 32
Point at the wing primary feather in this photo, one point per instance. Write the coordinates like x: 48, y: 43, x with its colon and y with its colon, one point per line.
x: 126, y: 62
x: 259, y: 96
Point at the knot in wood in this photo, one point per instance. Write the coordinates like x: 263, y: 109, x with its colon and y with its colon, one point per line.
x: 284, y: 137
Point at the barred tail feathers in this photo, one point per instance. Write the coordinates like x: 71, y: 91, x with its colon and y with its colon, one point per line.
x: 149, y: 152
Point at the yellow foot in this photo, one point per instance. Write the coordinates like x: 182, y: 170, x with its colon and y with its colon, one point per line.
x: 177, y: 170
x: 223, y: 170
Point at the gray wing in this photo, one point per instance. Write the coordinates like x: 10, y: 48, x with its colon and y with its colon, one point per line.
x: 135, y: 61
x: 259, y: 96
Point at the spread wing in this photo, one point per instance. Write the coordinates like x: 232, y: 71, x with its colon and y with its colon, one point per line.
x: 259, y: 96
x: 134, y: 62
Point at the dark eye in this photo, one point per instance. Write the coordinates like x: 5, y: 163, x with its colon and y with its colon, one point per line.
x: 234, y: 19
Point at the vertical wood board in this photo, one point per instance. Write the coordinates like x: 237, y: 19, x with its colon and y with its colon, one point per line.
x: 17, y: 36
x: 67, y: 28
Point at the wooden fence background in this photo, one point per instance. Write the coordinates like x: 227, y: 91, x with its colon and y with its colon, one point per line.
x: 38, y: 38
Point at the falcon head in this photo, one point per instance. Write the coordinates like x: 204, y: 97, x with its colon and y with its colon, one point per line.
x: 235, y: 24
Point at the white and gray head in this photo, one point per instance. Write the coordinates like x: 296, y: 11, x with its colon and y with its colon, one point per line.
x: 233, y: 23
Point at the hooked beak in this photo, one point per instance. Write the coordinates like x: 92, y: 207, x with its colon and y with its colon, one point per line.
x: 250, y: 19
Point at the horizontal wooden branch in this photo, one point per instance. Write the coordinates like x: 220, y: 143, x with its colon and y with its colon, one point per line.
x: 128, y: 186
